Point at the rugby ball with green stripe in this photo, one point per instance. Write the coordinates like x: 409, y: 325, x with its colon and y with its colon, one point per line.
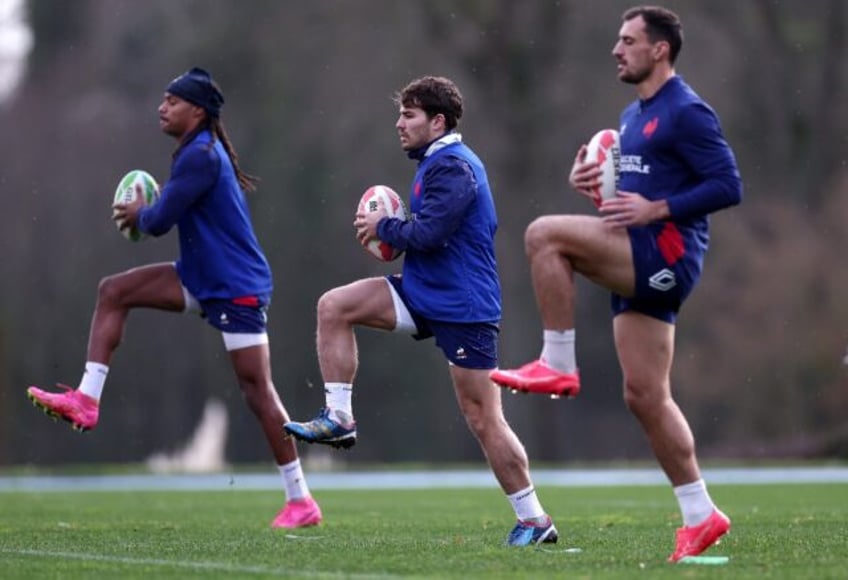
x: 133, y: 182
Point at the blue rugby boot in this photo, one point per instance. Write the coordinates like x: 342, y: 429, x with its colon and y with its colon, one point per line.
x: 527, y: 533
x: 325, y: 430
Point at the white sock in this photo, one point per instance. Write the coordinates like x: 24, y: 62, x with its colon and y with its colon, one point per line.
x: 339, y: 400
x: 558, y: 350
x: 93, y: 380
x: 695, y: 502
x: 294, y: 481
x: 525, y: 504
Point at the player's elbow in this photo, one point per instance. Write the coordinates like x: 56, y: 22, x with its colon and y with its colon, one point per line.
x: 153, y: 228
x: 734, y: 192
x: 729, y: 191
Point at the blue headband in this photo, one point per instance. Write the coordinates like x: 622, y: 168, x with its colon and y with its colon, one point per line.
x: 197, y: 87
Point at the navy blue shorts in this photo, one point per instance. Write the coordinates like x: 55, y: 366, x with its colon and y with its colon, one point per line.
x: 247, y: 315
x: 468, y: 345
x: 666, y: 272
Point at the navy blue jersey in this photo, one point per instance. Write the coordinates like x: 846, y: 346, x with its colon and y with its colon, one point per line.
x: 672, y: 148
x: 220, y: 257
x: 450, y: 272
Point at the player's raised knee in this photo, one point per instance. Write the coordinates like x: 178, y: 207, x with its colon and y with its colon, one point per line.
x: 537, y: 235
x: 110, y: 289
x: 332, y: 304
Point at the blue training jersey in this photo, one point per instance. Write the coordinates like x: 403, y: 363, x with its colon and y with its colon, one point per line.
x: 220, y: 257
x: 450, y: 271
x: 672, y: 148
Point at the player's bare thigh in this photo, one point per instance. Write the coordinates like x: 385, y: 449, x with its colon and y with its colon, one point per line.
x: 150, y: 286
x: 366, y: 302
x: 473, y: 386
x: 598, y: 251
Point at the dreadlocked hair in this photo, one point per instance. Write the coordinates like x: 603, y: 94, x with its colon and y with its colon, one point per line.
x: 216, y: 127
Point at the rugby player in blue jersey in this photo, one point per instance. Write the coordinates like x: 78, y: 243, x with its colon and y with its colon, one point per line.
x: 647, y: 247
x: 221, y: 274
x: 449, y: 290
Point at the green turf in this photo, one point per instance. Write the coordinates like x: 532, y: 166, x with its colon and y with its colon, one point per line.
x: 779, y: 531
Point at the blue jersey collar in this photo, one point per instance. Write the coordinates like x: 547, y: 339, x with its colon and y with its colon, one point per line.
x: 423, y: 152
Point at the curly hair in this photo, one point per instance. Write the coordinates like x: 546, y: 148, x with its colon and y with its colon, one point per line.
x: 434, y: 95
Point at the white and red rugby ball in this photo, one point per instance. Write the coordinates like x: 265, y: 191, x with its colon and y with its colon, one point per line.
x: 126, y: 193
x: 394, y: 207
x: 604, y: 148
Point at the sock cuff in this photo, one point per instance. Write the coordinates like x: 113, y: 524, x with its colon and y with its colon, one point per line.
x: 96, y: 367
x: 337, y: 387
x: 694, y: 487
x: 291, y: 465
x: 522, y: 493
x: 558, y: 336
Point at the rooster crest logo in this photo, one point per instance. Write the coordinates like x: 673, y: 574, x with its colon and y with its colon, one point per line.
x: 650, y: 127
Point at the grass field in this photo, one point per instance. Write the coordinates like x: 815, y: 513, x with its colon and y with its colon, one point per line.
x: 779, y: 531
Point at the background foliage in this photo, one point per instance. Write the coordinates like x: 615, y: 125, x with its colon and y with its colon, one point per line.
x: 308, y: 85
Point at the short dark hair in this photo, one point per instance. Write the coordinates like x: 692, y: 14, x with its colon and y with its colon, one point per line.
x: 434, y: 95
x: 661, y: 24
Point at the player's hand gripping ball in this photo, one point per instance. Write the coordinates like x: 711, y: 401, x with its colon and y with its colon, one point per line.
x: 395, y: 208
x: 126, y: 193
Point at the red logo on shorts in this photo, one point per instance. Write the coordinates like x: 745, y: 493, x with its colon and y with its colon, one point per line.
x: 670, y: 243
x: 246, y: 301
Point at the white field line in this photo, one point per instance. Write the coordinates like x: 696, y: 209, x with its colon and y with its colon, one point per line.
x: 414, y: 479
x: 190, y: 565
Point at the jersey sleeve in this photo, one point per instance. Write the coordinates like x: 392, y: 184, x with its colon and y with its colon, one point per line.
x: 704, y: 149
x: 193, y: 174
x: 449, y: 189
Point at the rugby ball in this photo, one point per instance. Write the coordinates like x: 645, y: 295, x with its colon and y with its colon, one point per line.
x: 126, y: 193
x: 604, y: 148
x: 395, y: 208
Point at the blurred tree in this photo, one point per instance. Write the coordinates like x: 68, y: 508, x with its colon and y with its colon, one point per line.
x: 309, y: 91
